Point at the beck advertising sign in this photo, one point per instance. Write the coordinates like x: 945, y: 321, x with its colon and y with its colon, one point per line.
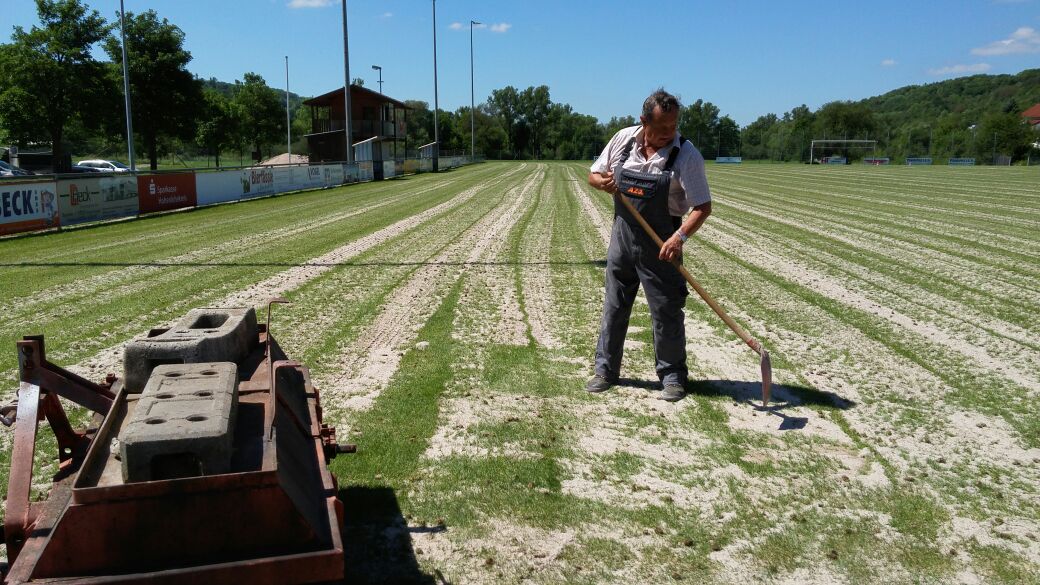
x: 164, y: 192
x: 27, y: 206
x: 83, y: 200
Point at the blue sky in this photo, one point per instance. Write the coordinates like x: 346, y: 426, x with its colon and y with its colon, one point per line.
x: 603, y: 56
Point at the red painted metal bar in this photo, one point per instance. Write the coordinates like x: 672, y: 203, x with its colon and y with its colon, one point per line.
x: 16, y: 520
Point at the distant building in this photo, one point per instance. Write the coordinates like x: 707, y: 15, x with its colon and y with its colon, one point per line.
x: 1032, y: 116
x: 373, y: 115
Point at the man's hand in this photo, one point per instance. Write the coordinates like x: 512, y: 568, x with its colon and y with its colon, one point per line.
x: 671, y: 250
x: 603, y: 181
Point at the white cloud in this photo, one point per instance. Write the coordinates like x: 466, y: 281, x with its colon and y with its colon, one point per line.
x: 1023, y: 40
x: 455, y: 26
x: 961, y: 69
x: 888, y: 63
x: 309, y: 3
x: 388, y: 14
x: 501, y: 27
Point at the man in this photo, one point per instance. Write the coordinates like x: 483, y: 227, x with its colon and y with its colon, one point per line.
x: 665, y: 175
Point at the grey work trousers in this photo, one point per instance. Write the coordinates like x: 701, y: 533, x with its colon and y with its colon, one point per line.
x: 631, y: 261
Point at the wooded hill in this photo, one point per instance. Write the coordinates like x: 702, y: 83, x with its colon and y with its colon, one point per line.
x: 977, y: 116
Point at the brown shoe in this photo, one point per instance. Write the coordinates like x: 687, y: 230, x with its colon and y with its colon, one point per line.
x: 598, y: 384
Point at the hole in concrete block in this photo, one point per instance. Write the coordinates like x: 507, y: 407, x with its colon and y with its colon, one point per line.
x: 208, y: 373
x: 163, y: 396
x: 154, y: 421
x: 204, y: 393
x: 197, y: 418
x: 209, y: 322
x: 173, y: 374
x: 175, y: 465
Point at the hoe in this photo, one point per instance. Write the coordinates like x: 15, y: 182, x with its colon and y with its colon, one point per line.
x: 754, y: 344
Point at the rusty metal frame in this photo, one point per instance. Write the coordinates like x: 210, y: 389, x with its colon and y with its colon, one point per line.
x: 41, y: 383
x: 30, y: 528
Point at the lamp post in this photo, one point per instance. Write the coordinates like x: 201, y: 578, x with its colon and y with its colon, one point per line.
x: 380, y: 70
x: 346, y: 87
x: 436, y: 105
x: 472, y: 107
x: 288, y: 122
x: 126, y: 91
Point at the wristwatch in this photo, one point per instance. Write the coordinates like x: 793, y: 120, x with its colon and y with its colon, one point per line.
x: 682, y: 237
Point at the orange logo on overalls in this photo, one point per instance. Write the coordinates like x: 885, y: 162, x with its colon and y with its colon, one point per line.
x: 635, y: 191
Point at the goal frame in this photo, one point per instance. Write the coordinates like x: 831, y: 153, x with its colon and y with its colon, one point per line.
x: 871, y: 144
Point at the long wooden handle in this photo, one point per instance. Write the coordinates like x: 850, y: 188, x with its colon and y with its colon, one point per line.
x: 750, y: 341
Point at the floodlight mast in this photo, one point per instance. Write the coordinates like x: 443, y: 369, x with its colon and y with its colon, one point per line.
x: 346, y: 87
x: 126, y: 90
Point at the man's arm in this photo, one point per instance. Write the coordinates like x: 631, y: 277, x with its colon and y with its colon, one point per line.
x: 603, y: 181
x: 673, y: 245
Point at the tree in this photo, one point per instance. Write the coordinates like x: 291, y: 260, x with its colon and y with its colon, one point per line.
x: 699, y: 123
x: 49, y: 78
x: 165, y: 97
x: 419, y: 126
x: 221, y: 124
x: 505, y: 103
x: 263, y: 119
x: 534, y: 107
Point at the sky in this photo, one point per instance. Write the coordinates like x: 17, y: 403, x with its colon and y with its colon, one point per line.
x: 603, y: 57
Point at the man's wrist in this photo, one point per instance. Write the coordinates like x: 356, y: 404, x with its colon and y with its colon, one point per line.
x: 682, y: 237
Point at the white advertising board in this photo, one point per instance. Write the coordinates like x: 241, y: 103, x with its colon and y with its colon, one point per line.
x: 218, y: 187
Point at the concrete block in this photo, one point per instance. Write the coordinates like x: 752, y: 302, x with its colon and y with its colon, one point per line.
x: 203, y: 335
x: 184, y: 423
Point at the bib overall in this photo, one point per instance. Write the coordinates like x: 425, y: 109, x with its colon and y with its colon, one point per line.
x: 632, y: 260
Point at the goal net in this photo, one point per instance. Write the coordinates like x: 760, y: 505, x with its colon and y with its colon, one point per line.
x: 841, y: 152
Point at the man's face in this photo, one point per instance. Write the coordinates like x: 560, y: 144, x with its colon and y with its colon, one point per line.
x: 661, y: 131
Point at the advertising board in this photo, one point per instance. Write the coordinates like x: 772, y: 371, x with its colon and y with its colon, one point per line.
x: 388, y: 169
x: 962, y: 162
x: 332, y: 175
x: 308, y: 177
x: 165, y: 192
x: 729, y: 160
x: 877, y: 160
x: 919, y: 161
x: 218, y: 187
x: 27, y: 206
x: 351, y: 174
x: 256, y: 182
x: 83, y: 200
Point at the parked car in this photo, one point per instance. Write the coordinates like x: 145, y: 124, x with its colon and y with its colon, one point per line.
x: 105, y: 166
x: 9, y: 170
x: 84, y: 169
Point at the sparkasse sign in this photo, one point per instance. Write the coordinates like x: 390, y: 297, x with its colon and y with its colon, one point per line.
x: 165, y: 192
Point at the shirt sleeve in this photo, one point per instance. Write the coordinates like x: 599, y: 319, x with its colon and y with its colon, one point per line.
x: 692, y: 178
x: 605, y: 160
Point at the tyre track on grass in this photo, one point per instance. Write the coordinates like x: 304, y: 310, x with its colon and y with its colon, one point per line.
x: 110, y: 359
x: 460, y: 408
x: 934, y: 455
x: 372, y: 359
x: 797, y: 273
x: 136, y: 277
x: 969, y: 276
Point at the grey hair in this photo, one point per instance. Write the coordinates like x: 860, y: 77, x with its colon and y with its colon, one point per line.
x: 660, y: 99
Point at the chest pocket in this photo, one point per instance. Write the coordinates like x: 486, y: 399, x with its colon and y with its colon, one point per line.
x: 639, y: 185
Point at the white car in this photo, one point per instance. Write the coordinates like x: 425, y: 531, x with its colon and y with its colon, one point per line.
x: 105, y: 166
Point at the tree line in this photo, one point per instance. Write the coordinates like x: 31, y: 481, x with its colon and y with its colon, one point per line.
x: 52, y: 91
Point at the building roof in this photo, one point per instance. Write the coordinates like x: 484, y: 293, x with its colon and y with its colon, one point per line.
x: 326, y: 98
x: 1033, y: 112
